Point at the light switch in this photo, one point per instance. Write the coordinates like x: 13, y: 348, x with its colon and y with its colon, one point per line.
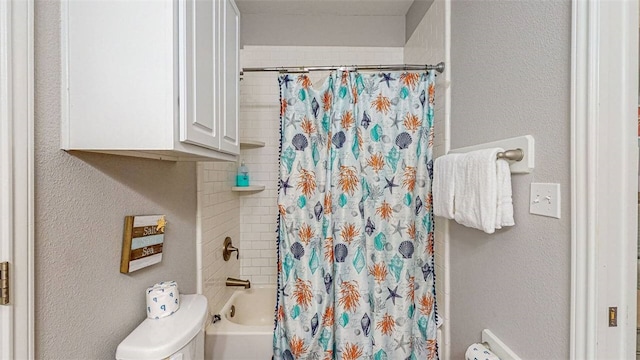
x: 545, y: 199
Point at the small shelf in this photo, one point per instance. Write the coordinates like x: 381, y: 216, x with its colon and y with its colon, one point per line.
x: 251, y: 144
x: 248, y: 188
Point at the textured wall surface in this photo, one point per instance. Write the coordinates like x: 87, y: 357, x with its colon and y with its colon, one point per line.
x: 219, y: 215
x: 510, y: 76
x: 84, y: 306
x: 322, y: 30
x: 427, y: 46
x: 260, y: 120
x: 415, y: 16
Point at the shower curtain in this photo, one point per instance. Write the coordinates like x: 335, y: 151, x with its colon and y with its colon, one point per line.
x: 355, y: 230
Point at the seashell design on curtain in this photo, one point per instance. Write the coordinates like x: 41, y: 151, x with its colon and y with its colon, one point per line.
x: 355, y: 231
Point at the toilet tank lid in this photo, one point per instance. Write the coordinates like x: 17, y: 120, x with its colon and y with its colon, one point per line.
x: 157, y: 339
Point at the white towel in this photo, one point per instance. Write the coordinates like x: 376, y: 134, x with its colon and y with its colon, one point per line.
x: 504, y: 206
x: 476, y: 194
x: 444, y: 185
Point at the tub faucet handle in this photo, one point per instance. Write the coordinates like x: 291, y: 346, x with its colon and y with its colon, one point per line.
x: 228, y: 248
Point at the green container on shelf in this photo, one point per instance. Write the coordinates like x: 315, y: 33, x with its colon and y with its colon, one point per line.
x: 242, y: 178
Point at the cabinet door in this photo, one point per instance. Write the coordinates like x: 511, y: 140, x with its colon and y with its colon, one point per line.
x: 118, y: 73
x: 199, y: 74
x: 229, y: 141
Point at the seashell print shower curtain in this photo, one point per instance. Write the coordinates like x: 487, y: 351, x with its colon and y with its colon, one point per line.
x: 355, y: 237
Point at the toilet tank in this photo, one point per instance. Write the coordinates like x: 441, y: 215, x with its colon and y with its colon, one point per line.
x: 176, y: 337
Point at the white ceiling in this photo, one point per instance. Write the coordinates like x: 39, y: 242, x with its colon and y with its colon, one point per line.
x: 326, y: 7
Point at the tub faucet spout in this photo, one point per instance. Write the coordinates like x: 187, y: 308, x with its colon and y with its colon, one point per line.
x: 237, y: 282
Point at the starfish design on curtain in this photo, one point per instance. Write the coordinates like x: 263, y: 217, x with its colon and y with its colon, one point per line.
x: 402, y: 343
x: 284, y: 185
x: 396, y: 121
x: 393, y: 294
x: 286, y: 80
x: 390, y: 184
x: 398, y: 228
x: 387, y: 78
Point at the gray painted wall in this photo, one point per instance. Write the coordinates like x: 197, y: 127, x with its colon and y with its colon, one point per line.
x: 322, y: 30
x: 84, y: 306
x: 414, y: 16
x: 510, y: 76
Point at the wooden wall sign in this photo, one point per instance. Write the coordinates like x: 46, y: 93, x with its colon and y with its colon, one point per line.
x: 142, y: 242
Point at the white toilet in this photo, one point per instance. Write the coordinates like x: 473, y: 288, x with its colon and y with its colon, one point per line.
x: 176, y: 337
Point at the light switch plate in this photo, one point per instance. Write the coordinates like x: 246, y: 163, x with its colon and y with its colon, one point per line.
x: 545, y: 199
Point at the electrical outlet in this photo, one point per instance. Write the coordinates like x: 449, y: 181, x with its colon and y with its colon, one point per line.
x: 545, y: 200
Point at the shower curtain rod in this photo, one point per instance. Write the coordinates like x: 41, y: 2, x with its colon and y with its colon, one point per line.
x: 305, y: 69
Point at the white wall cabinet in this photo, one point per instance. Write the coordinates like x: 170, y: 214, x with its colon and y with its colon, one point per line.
x: 151, y: 78
x: 231, y: 58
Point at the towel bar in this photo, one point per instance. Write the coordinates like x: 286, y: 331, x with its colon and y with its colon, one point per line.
x: 521, y: 152
x: 497, y: 346
x: 515, y: 155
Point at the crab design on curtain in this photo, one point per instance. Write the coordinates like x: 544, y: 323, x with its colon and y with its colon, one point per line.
x: 355, y: 239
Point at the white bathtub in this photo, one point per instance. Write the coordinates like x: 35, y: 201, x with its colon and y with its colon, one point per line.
x: 247, y: 335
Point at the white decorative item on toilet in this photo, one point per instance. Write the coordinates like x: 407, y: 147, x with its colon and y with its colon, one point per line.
x: 163, y: 299
x: 176, y: 337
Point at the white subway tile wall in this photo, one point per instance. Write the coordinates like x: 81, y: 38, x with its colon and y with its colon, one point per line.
x: 219, y: 216
x: 259, y: 120
x: 428, y: 45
